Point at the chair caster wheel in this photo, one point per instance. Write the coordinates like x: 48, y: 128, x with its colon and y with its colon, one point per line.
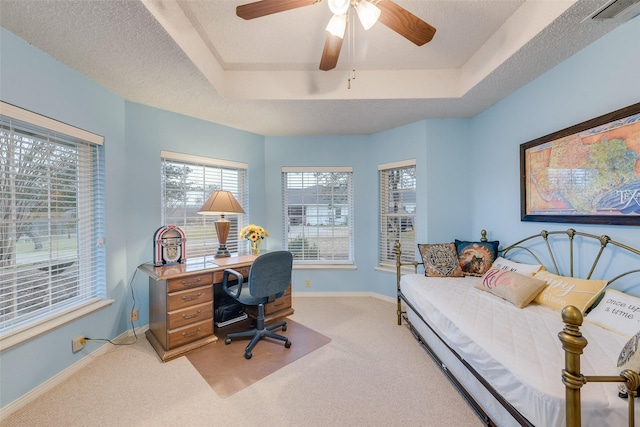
x: 248, y: 355
x: 287, y: 344
x: 284, y: 327
x: 227, y: 341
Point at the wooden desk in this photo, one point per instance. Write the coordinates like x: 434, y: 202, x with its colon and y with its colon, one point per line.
x: 181, y: 302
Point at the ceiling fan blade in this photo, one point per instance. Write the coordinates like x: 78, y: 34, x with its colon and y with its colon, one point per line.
x: 331, y: 52
x: 268, y: 7
x: 405, y: 23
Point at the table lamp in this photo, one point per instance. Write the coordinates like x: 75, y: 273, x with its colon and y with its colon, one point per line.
x: 220, y: 203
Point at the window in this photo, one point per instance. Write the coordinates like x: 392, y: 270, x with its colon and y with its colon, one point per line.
x: 51, y: 223
x: 318, y: 214
x: 397, y: 211
x: 187, y: 182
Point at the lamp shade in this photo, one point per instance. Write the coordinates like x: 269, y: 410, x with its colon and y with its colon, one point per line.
x: 221, y: 202
x: 339, y: 7
x: 337, y: 25
x: 368, y: 13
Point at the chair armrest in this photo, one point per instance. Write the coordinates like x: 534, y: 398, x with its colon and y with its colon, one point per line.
x: 225, y: 279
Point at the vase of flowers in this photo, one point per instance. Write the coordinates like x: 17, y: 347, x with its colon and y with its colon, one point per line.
x: 254, y: 234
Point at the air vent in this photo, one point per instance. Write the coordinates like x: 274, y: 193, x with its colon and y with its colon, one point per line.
x: 612, y: 9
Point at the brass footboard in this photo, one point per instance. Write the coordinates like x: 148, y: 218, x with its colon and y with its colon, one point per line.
x: 573, y: 344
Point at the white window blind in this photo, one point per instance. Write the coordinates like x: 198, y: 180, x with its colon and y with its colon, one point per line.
x: 397, y: 211
x: 318, y: 214
x: 187, y: 182
x: 52, y: 258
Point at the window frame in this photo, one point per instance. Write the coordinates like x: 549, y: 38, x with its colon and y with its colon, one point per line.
x: 386, y: 247
x: 334, y: 220
x: 200, y: 229
x: 86, y: 195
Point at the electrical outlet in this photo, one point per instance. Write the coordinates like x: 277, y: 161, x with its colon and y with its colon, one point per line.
x: 307, y: 283
x: 133, y: 316
x: 78, y: 343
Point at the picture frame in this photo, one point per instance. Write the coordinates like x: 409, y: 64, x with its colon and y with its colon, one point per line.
x: 588, y: 173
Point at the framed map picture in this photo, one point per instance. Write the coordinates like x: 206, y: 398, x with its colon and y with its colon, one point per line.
x: 588, y: 173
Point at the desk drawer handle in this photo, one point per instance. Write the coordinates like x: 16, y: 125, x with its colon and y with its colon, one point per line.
x: 186, y: 298
x: 191, y: 316
x: 196, y: 283
x: 277, y: 303
x: 186, y: 335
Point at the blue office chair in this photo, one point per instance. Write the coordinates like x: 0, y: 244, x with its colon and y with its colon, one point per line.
x: 269, y: 277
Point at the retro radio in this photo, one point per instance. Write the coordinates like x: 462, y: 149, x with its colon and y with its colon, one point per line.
x: 169, y: 246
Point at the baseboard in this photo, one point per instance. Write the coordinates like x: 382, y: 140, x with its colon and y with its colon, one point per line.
x: 62, y: 376
x: 344, y: 294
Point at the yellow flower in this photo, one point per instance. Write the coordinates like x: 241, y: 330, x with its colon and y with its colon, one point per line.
x: 253, y: 232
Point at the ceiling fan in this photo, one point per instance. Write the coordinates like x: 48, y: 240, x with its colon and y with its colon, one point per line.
x: 369, y: 12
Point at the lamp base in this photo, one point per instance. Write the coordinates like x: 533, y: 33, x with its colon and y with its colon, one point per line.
x: 223, y: 252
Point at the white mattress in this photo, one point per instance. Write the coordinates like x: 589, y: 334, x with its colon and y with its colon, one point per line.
x: 518, y: 351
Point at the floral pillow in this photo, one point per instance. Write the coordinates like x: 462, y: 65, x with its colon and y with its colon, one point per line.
x: 475, y: 258
x: 440, y: 260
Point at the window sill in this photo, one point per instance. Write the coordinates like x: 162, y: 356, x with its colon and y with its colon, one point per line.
x: 29, y: 332
x: 324, y: 267
x: 403, y: 270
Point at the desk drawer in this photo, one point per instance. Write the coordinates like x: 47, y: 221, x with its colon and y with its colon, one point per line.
x: 181, y: 336
x: 279, y: 304
x: 183, y: 299
x: 190, y: 315
x: 217, y: 276
x: 189, y: 282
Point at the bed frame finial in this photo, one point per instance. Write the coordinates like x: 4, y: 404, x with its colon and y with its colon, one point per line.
x: 573, y: 344
x: 483, y: 234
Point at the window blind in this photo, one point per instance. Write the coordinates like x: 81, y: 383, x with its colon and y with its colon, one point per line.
x: 52, y: 258
x: 318, y: 214
x: 187, y: 182
x: 397, y: 211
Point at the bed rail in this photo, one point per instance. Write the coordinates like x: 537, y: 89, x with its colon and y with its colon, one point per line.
x: 571, y: 234
x: 573, y: 344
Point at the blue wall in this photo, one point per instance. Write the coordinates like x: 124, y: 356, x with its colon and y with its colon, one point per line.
x: 601, y: 78
x: 468, y: 174
x: 36, y: 82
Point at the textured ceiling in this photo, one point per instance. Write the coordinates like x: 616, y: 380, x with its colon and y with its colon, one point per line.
x: 198, y: 58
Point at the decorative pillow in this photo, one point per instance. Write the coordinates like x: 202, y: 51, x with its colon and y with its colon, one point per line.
x: 618, y: 312
x: 440, y: 260
x: 517, y: 267
x: 629, y: 359
x: 516, y: 288
x: 562, y: 291
x: 475, y: 258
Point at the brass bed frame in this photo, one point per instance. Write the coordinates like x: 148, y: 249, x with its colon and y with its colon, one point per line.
x: 573, y: 343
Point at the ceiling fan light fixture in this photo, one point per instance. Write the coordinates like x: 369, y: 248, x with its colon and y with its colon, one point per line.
x: 339, y: 7
x: 368, y: 13
x: 338, y: 25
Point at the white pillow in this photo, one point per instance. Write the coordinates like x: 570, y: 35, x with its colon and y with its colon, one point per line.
x: 516, y: 267
x: 618, y: 312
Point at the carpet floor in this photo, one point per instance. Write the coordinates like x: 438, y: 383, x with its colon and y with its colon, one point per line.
x: 373, y: 373
x: 227, y: 371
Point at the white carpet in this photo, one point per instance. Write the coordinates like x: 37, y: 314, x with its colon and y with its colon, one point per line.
x: 372, y: 373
